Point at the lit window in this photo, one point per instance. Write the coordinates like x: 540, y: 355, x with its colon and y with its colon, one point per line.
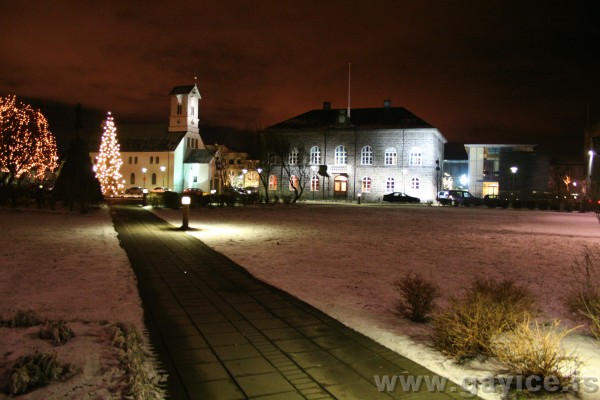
x: 341, y: 155
x: 272, y: 182
x: 366, y: 155
x: 315, y: 155
x: 192, y: 111
x: 293, y: 182
x: 132, y: 178
x: 315, y: 182
x: 416, y: 157
x: 154, y: 179
x: 414, y: 183
x: 293, y: 157
x: 366, y: 184
x: 391, y: 156
x: 389, y: 185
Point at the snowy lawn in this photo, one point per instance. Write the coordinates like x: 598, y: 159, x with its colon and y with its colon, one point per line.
x: 66, y: 266
x: 344, y: 259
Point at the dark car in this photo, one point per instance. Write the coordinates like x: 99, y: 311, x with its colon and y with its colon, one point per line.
x: 398, y: 197
x: 458, y: 197
x: 134, y: 190
x: 197, y: 191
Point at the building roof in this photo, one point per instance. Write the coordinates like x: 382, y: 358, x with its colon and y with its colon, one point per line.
x: 455, y: 151
x: 182, y: 89
x: 360, y: 118
x: 199, y: 156
x: 143, y: 137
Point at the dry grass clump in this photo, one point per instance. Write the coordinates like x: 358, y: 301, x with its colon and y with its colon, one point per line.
x: 56, y: 331
x: 417, y: 297
x: 22, y: 319
x: 584, y: 297
x: 534, y: 358
x: 33, y: 371
x: 465, y: 329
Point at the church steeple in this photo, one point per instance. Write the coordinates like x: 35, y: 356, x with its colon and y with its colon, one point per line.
x: 185, y: 109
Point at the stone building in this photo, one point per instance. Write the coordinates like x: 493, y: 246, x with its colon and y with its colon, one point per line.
x: 364, y: 151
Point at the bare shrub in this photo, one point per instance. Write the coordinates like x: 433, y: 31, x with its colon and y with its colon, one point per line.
x: 32, y: 371
x: 584, y: 297
x: 417, y: 297
x: 533, y: 353
x: 56, y: 331
x: 22, y: 319
x: 465, y: 328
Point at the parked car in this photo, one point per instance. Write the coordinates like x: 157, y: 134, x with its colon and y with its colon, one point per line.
x: 160, y: 189
x: 197, y: 191
x: 398, y: 197
x: 134, y: 190
x: 457, y: 198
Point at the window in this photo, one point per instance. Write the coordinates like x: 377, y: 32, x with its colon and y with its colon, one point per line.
x: 135, y: 160
x: 414, y: 183
x: 416, y: 157
x: 157, y: 160
x: 391, y: 156
x: 272, y: 182
x: 366, y: 184
x: 341, y: 156
x: 192, y: 111
x: 366, y: 156
x: 389, y: 185
x: 293, y: 157
x: 132, y: 178
x: 154, y: 179
x: 130, y: 160
x: 293, y: 182
x: 151, y: 160
x: 179, y: 109
x: 315, y: 183
x: 315, y: 155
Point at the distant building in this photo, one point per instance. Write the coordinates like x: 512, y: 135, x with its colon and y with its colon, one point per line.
x: 369, y: 151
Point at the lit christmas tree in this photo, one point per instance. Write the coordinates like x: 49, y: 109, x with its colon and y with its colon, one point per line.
x: 108, y: 162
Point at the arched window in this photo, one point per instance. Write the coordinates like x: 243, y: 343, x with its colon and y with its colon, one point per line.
x: 389, y: 185
x: 151, y: 160
x: 130, y: 160
x: 341, y: 155
x: 293, y: 157
x: 154, y: 179
x: 157, y: 160
x: 135, y: 160
x: 132, y: 178
x: 415, y: 184
x: 366, y: 155
x: 293, y: 182
x: 272, y: 182
x: 366, y: 184
x: 391, y: 156
x: 416, y: 157
x: 315, y: 183
x: 315, y: 155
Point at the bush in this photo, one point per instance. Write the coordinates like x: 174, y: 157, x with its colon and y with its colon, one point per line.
x: 32, y: 371
x: 57, y: 332
x: 465, y: 329
x: 517, y: 204
x: 22, y: 319
x: 531, y: 204
x: 417, y: 297
x: 543, y: 205
x: 533, y: 353
x: 584, y: 295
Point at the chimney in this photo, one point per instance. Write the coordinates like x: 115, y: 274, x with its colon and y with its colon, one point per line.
x: 326, y: 105
x: 387, y: 104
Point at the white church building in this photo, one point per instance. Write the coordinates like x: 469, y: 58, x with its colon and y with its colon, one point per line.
x: 170, y: 155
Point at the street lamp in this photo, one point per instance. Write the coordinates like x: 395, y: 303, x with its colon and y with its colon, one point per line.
x: 244, y: 171
x: 514, y: 170
x: 144, y: 170
x: 163, y: 169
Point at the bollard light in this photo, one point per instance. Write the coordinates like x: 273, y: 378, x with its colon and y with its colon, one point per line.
x: 359, y: 196
x: 185, y: 202
x: 144, y: 197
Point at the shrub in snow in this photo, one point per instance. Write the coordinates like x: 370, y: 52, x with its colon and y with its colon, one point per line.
x: 22, y: 319
x: 533, y: 352
x: 32, y: 371
x: 584, y: 296
x: 488, y: 308
x: 417, y: 296
x: 57, y: 332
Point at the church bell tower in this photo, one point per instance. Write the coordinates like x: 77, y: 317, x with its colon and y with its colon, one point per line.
x: 185, y: 109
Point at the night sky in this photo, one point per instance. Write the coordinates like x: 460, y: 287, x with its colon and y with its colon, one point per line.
x: 480, y: 71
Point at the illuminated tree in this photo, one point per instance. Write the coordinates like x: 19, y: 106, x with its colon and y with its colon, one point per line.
x: 26, y: 144
x: 108, y: 162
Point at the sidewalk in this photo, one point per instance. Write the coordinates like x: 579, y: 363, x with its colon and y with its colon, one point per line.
x: 220, y: 333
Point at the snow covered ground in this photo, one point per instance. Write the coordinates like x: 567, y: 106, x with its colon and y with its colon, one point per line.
x: 341, y: 258
x: 345, y: 258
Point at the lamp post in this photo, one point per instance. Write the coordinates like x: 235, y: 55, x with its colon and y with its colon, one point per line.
x: 312, y: 184
x: 163, y: 169
x: 244, y: 171
x: 514, y: 170
x: 144, y: 170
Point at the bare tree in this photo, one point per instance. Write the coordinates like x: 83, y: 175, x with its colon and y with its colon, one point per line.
x: 297, y: 165
x: 271, y: 150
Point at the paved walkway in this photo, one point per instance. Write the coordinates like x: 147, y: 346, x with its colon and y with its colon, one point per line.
x: 222, y: 334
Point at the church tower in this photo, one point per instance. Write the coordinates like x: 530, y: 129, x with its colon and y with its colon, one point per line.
x: 185, y: 109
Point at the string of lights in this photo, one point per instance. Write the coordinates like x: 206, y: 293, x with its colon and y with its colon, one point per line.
x: 108, y: 162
